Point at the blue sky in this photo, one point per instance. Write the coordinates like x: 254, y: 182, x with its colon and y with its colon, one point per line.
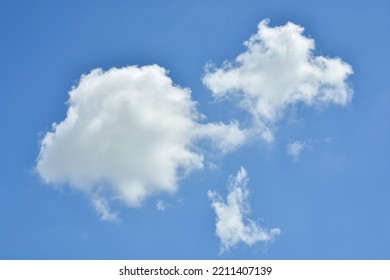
x: 322, y: 183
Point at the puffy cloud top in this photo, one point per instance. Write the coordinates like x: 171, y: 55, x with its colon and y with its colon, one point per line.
x: 279, y: 69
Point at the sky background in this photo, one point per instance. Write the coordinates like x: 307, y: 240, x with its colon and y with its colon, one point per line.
x: 330, y: 201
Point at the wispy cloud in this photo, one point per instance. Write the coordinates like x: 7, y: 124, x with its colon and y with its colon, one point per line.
x: 161, y: 205
x: 232, y: 223
x: 278, y: 70
x: 129, y: 133
x: 294, y: 149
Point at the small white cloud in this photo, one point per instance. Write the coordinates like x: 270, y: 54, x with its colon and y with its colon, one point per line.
x: 102, y: 207
x: 294, y: 149
x: 278, y: 70
x: 232, y: 223
x: 227, y: 137
x: 161, y: 205
x: 129, y: 133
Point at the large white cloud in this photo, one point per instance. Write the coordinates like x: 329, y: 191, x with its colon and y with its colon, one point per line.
x: 278, y: 69
x: 232, y: 223
x: 128, y: 133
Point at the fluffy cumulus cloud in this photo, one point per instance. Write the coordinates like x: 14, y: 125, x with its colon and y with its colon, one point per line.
x: 233, y: 226
x: 294, y: 149
x: 277, y: 70
x: 128, y: 133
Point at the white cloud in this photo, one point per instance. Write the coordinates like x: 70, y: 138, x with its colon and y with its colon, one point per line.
x: 129, y: 133
x: 294, y: 149
x: 232, y: 223
x: 161, y: 205
x: 226, y: 137
x: 101, y: 205
x: 277, y: 70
